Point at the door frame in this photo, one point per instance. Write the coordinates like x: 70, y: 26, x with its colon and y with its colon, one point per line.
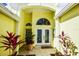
x: 43, y: 41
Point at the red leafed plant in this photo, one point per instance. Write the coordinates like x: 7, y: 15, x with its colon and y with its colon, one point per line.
x: 67, y: 45
x: 11, y: 42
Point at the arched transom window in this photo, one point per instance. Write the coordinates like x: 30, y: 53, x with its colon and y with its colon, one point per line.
x: 43, y: 21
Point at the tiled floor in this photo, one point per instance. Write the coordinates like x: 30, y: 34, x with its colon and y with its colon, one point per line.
x: 38, y: 51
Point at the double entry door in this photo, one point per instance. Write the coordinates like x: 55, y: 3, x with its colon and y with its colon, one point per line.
x: 44, y: 36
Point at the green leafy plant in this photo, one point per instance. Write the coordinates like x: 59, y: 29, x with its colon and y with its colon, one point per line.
x: 11, y: 42
x: 58, y: 53
x: 29, y: 41
x: 67, y: 45
x: 29, y: 38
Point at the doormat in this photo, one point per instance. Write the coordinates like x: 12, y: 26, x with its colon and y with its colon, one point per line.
x: 44, y: 47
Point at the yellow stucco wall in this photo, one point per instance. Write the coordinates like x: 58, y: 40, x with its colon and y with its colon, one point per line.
x: 6, y: 24
x: 33, y: 17
x: 25, y: 18
x: 48, y: 15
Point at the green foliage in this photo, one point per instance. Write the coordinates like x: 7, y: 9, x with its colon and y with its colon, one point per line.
x: 11, y: 42
x: 69, y: 46
x: 29, y: 39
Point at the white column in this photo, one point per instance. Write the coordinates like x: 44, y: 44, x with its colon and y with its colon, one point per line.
x: 57, y: 33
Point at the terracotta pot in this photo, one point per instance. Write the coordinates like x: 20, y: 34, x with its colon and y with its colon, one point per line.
x: 30, y: 47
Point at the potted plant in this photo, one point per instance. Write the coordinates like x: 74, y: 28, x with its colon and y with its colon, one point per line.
x: 11, y: 42
x: 29, y: 41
